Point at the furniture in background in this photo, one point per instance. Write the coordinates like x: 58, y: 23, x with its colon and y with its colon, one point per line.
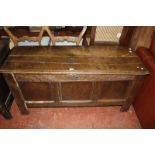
x: 29, y: 35
x: 145, y: 101
x: 73, y: 76
x: 55, y: 39
x: 88, y: 38
x: 141, y: 37
x: 6, y: 97
x: 17, y: 39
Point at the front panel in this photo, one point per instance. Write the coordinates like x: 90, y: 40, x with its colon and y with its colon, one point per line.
x: 111, y: 89
x: 40, y: 93
x: 37, y: 91
x: 76, y: 90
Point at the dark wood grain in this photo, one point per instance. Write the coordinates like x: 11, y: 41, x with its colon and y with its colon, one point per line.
x: 142, y: 37
x: 111, y: 89
x: 36, y: 91
x: 92, y: 35
x: 127, y: 34
x: 132, y: 91
x: 90, y: 60
x: 73, y: 76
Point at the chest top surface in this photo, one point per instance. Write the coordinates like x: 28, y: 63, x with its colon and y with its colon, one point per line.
x: 81, y: 60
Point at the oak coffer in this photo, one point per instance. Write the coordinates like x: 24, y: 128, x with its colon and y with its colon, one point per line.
x: 73, y: 76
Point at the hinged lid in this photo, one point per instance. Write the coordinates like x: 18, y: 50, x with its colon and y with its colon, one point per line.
x: 80, y: 60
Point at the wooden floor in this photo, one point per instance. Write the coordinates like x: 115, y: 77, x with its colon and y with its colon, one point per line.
x: 91, y: 117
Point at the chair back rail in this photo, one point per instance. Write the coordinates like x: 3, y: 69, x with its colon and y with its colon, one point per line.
x: 38, y: 38
x: 16, y: 39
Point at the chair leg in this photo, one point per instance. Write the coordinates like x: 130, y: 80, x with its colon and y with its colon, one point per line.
x: 6, y: 114
x: 5, y: 108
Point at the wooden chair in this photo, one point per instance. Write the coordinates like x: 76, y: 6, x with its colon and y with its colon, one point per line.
x: 16, y: 39
x: 55, y: 39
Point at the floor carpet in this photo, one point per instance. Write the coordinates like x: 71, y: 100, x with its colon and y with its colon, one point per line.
x: 85, y: 117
